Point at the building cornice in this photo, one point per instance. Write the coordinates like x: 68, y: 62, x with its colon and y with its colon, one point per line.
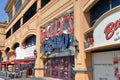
x: 3, y: 24
x: 23, y: 6
x: 9, y: 5
x: 82, y: 69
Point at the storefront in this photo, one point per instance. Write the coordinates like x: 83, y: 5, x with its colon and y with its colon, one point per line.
x: 27, y: 56
x: 106, y: 55
x: 57, y: 46
x: 20, y: 61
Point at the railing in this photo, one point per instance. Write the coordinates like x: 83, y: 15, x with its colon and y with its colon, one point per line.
x: 10, y: 75
x: 13, y: 75
x: 3, y: 74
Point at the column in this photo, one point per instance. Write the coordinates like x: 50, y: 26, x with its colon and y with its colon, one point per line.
x: 83, y: 66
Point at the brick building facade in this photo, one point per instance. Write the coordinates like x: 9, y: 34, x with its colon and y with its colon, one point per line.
x: 60, y: 39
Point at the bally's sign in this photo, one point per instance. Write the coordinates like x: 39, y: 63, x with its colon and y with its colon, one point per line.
x: 56, y: 34
x: 108, y: 30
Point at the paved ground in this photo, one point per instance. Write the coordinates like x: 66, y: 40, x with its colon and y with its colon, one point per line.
x: 1, y: 79
x: 31, y: 79
x: 25, y: 79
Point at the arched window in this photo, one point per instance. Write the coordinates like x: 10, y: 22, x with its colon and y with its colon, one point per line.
x: 30, y: 41
x: 6, y: 51
x: 15, y: 46
x: 101, y: 7
x: 0, y: 56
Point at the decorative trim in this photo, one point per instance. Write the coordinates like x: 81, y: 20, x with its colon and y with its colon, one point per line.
x: 48, y: 5
x: 109, y: 46
x: 89, y: 4
x: 9, y: 5
x: 82, y: 69
x: 39, y: 68
x: 56, y: 13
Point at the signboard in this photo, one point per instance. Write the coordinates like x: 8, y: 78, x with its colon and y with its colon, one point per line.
x: 108, y: 30
x: 57, y: 34
x: 25, y: 53
x: 19, y: 53
x: 29, y: 52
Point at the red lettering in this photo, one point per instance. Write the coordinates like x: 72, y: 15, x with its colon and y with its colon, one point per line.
x: 46, y: 32
x: 62, y: 20
x: 58, y: 27
x: 117, y: 24
x: 109, y: 30
x: 51, y: 32
x: 43, y: 35
x: 69, y: 17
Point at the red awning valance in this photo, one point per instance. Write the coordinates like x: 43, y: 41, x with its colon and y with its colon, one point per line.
x: 14, y: 63
x: 3, y: 63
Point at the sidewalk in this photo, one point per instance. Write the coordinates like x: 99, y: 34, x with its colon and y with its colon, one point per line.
x: 23, y: 79
x: 2, y: 79
x: 28, y: 79
x: 33, y: 79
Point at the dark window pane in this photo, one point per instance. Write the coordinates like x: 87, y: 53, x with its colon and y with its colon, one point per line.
x: 44, y: 2
x: 16, y: 26
x: 115, y: 3
x: 15, y: 46
x: 8, y: 34
x: 30, y: 41
x: 99, y: 9
x: 30, y: 12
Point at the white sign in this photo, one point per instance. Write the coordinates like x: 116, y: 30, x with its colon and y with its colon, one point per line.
x: 29, y: 52
x: 108, y: 30
x: 25, y: 53
x: 19, y: 53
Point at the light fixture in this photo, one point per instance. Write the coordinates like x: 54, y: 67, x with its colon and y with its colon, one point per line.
x: 76, y: 45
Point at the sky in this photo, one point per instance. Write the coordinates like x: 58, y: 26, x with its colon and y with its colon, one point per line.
x: 3, y: 15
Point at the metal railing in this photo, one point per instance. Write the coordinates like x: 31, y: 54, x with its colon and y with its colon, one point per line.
x: 10, y: 75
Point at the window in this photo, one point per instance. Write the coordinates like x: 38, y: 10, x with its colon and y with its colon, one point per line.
x: 30, y: 41
x: 44, y: 2
x: 18, y: 5
x: 8, y: 34
x: 60, y: 67
x: 101, y: 7
x: 16, y: 45
x: 0, y: 56
x: 115, y: 3
x: 10, y: 15
x: 30, y: 12
x: 16, y: 26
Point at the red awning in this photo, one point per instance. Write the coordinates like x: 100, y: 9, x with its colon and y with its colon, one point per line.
x: 14, y: 63
x: 3, y: 63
